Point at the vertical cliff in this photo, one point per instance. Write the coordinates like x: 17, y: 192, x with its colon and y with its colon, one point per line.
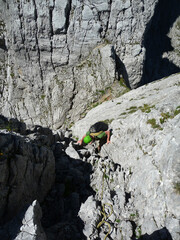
x: 60, y: 57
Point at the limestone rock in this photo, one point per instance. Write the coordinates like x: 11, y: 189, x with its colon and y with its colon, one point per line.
x: 128, y: 190
x: 59, y: 58
x: 31, y: 228
x: 90, y: 214
x: 71, y: 152
x: 141, y: 163
x: 25, y: 166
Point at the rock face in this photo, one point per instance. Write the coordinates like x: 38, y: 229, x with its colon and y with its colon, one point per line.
x: 138, y: 172
x: 129, y: 190
x: 26, y: 164
x: 26, y: 225
x: 59, y: 57
x: 31, y: 228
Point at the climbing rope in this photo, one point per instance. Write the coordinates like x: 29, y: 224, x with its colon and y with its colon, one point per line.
x: 105, y: 217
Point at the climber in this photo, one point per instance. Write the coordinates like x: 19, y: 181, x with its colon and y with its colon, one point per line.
x: 98, y: 131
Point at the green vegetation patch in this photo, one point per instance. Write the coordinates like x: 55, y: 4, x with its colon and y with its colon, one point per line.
x: 130, y: 110
x: 123, y: 84
x: 154, y: 124
x: 177, y: 187
x: 167, y: 115
x: 108, y: 121
x: 106, y: 176
x: 42, y: 97
x: 12, y: 74
x: 2, y: 26
x: 164, y: 117
x: 177, y: 84
x: 146, y: 108
x: 9, y: 127
x: 177, y: 111
x: 138, y: 232
x: 118, y: 220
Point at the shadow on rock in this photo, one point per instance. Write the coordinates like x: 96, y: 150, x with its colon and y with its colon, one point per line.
x: 156, y: 41
x: 71, y: 189
x: 39, y: 164
x: 27, y: 167
x: 10, y: 230
x: 26, y: 224
x: 121, y: 71
x: 162, y: 234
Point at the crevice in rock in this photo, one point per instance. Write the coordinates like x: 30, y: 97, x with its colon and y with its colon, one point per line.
x: 27, y: 111
x: 134, y: 226
x: 21, y: 23
x: 50, y: 21
x: 80, y: 55
x: 112, y: 193
x: 124, y: 176
x: 37, y: 41
x: 51, y: 33
x: 74, y: 90
x: 155, y: 221
x: 3, y: 44
x: 68, y: 52
x: 117, y: 166
x: 67, y: 13
x: 142, y: 5
x: 127, y: 197
x: 104, y: 31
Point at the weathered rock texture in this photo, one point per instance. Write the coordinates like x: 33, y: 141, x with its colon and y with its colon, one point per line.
x: 38, y: 165
x: 130, y: 190
x: 31, y: 228
x: 59, y: 57
x: 138, y: 173
x: 26, y: 162
x: 26, y: 225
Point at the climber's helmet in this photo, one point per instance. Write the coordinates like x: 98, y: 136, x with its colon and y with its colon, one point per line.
x: 87, y: 139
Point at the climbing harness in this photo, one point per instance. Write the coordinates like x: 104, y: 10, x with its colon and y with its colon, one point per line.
x: 105, y: 217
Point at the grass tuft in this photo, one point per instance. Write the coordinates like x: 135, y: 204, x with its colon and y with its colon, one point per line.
x: 154, y: 124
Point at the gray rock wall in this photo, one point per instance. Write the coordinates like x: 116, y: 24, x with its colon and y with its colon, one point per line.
x: 59, y: 55
x: 130, y: 189
x: 138, y: 173
x: 26, y: 164
x: 31, y: 224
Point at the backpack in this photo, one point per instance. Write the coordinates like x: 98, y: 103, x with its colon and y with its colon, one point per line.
x: 98, y: 127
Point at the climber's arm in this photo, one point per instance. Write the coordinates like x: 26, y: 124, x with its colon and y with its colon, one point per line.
x: 108, y: 136
x: 81, y: 141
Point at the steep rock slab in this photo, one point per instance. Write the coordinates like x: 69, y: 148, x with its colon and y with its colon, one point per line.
x: 159, y: 96
x: 142, y: 160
